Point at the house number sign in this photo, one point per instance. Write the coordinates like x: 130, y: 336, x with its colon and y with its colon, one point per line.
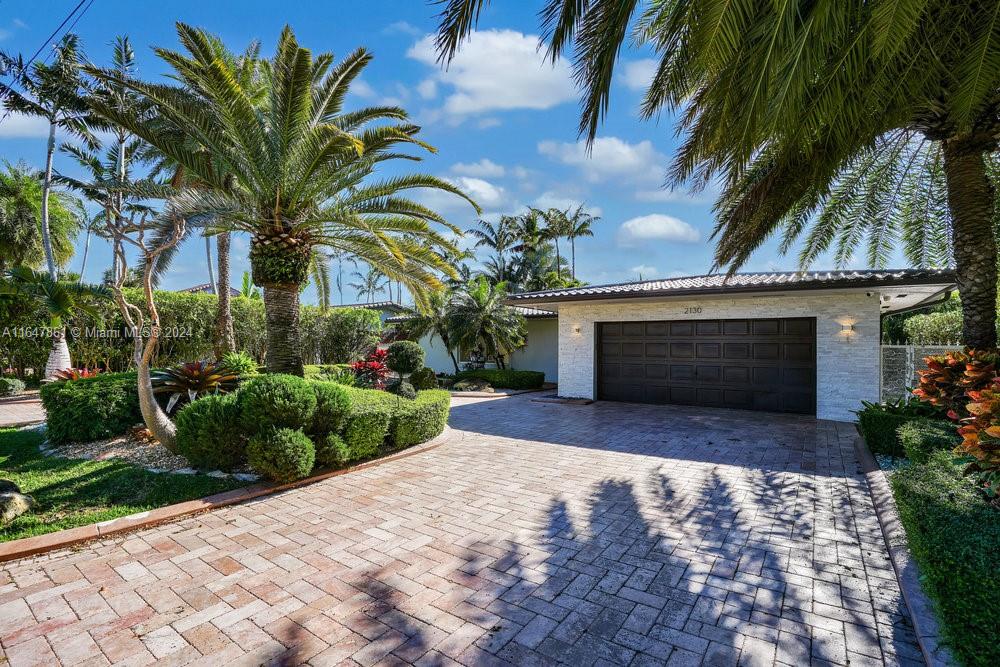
x: 692, y: 310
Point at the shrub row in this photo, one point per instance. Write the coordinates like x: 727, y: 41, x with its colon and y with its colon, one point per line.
x: 921, y: 438
x: 879, y: 429
x: 11, y: 386
x: 954, y: 535
x: 91, y: 408
x: 505, y: 378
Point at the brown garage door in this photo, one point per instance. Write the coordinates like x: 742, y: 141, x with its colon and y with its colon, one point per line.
x: 757, y: 364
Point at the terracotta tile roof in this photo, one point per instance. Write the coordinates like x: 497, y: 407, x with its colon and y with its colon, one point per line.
x: 744, y: 282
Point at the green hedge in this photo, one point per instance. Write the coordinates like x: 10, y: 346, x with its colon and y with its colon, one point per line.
x: 954, y: 535
x: 281, y: 454
x: 505, y: 378
x: 920, y: 438
x: 276, y: 400
x: 209, y: 433
x: 879, y: 429
x: 11, y: 386
x: 367, y: 422
x: 92, y: 408
x: 421, y: 419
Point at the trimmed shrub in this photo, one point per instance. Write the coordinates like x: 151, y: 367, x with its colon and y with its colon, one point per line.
x: 878, y: 423
x: 423, y: 378
x: 332, y: 406
x: 421, y: 419
x: 281, y: 454
x: 240, y: 363
x: 403, y: 389
x: 920, y: 438
x: 331, y: 451
x: 276, y: 400
x: 954, y: 535
x: 368, y: 421
x: 209, y: 433
x: 92, y: 408
x: 11, y: 386
x: 405, y: 356
x: 505, y: 378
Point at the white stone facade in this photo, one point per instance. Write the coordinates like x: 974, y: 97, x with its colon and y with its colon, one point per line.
x: 847, y: 362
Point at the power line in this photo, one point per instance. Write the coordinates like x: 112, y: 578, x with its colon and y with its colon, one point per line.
x: 25, y: 64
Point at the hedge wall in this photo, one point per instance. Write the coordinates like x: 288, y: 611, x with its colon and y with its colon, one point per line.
x: 92, y: 408
x: 505, y: 378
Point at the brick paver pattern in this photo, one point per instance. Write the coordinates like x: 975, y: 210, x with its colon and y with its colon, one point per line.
x: 540, y: 534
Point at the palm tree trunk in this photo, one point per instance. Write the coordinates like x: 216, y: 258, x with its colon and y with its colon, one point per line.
x: 59, y: 357
x: 971, y: 200
x: 50, y: 150
x: 225, y: 339
x: 558, y: 260
x: 208, y: 259
x: 572, y: 250
x: 281, y: 305
x: 86, y: 251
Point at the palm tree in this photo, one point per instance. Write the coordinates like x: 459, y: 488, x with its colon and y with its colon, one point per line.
x: 21, y: 203
x: 433, y: 321
x: 53, y: 92
x: 91, y: 225
x: 369, y: 283
x: 580, y: 225
x: 478, y: 317
x: 62, y: 300
x: 781, y: 99
x: 293, y: 170
x: 557, y: 226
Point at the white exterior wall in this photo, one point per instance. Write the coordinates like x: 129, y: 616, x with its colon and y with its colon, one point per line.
x: 847, y: 366
x: 540, y: 354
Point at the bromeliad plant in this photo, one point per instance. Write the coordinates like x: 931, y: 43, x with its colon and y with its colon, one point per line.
x: 76, y: 373
x: 950, y: 377
x: 187, y: 382
x: 981, y: 438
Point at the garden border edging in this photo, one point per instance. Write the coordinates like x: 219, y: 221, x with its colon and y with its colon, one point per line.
x: 39, y: 544
x: 925, y: 623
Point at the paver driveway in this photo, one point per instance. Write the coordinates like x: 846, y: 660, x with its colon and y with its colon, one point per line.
x: 595, y: 534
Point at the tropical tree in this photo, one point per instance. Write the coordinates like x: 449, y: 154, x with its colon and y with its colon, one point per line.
x: 781, y: 100
x: 433, y: 321
x: 61, y: 299
x: 21, y: 204
x: 478, y: 317
x: 557, y: 226
x: 247, y: 288
x: 580, y: 225
x: 294, y: 170
x: 55, y: 93
x: 369, y: 283
x: 91, y: 224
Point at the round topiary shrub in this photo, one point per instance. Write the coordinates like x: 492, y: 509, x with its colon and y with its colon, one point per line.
x: 332, y: 406
x: 281, y: 454
x: 11, y: 386
x: 209, y: 434
x: 278, y: 401
x: 405, y: 356
x: 424, y: 378
x: 403, y: 389
x: 332, y: 451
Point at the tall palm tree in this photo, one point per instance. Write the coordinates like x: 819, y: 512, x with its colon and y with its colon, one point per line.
x: 433, y: 320
x: 478, y: 317
x: 294, y: 170
x: 781, y: 99
x: 91, y: 224
x: 21, y: 203
x: 61, y: 299
x: 557, y: 226
x: 580, y: 226
x: 53, y: 92
x: 369, y: 283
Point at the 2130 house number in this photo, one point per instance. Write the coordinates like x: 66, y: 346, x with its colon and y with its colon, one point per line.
x: 692, y: 310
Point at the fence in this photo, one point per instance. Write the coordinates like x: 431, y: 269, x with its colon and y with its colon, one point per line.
x: 900, y: 364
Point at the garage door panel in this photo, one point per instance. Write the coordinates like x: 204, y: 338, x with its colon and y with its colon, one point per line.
x: 760, y: 364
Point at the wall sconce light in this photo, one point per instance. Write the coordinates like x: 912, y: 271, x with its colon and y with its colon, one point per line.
x: 847, y: 330
x: 576, y: 329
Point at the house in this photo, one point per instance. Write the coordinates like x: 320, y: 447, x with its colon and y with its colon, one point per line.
x: 801, y: 342
x: 540, y: 352
x: 206, y: 288
x: 386, y: 309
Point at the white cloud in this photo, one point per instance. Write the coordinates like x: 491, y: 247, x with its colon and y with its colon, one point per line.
x: 22, y: 127
x: 498, y: 70
x: 610, y: 158
x: 485, y: 168
x: 638, y: 74
x: 645, y: 271
x: 550, y: 199
x: 487, y: 123
x: 362, y: 88
x: 637, y: 232
x: 486, y: 194
x: 482, y: 192
x: 401, y: 27
x: 427, y: 89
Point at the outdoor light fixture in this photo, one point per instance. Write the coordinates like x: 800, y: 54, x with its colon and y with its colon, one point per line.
x: 576, y: 328
x: 846, y: 328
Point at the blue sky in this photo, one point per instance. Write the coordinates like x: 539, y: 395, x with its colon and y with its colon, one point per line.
x: 504, y: 121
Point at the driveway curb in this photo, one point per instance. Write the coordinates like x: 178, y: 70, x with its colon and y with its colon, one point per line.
x: 32, y: 546
x: 925, y: 625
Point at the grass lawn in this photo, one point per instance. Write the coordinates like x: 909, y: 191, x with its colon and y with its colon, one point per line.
x: 75, y: 492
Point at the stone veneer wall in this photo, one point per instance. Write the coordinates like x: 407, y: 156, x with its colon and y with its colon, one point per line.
x: 847, y: 367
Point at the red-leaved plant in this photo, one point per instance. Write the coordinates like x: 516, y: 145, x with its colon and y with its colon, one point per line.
x: 372, y: 372
x: 950, y: 377
x: 76, y: 373
x: 981, y: 437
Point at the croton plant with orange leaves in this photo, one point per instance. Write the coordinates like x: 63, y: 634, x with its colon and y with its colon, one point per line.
x: 966, y: 385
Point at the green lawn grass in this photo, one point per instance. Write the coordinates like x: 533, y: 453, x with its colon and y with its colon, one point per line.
x: 76, y: 492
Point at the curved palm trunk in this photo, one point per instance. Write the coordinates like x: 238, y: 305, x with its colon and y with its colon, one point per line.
x: 50, y: 149
x: 284, y: 352
x: 86, y: 252
x: 225, y: 338
x: 971, y: 199
x: 208, y: 260
x: 153, y: 416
